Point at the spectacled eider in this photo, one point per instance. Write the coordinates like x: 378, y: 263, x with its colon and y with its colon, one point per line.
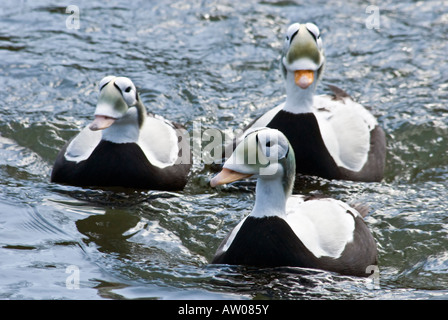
x: 124, y: 146
x: 333, y: 136
x: 290, y: 230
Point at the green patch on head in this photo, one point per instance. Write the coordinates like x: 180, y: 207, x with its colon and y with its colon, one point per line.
x: 303, y: 46
x: 111, y: 102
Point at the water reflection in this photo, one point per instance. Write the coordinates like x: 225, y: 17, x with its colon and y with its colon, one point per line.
x: 107, y: 231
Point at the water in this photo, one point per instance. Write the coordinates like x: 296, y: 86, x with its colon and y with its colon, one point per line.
x: 215, y: 63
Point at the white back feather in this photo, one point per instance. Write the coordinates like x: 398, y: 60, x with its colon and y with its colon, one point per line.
x: 158, y: 140
x: 82, y: 146
x: 323, y: 225
x: 345, y: 127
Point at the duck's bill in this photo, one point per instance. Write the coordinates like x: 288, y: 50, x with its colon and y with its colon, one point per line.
x: 304, y: 78
x: 101, y: 122
x: 227, y: 176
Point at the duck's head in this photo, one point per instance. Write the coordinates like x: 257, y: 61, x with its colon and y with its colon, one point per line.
x: 118, y: 96
x: 263, y: 152
x: 303, y: 57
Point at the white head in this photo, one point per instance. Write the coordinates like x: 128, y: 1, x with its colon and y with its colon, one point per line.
x: 118, y: 96
x: 302, y: 64
x: 263, y: 152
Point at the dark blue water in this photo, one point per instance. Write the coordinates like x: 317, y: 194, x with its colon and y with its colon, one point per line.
x: 213, y: 63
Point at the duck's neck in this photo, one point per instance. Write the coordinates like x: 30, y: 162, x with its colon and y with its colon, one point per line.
x: 298, y: 100
x: 270, y: 198
x: 127, y: 128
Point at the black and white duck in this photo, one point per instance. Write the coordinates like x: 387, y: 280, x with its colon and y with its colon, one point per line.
x: 125, y: 146
x: 290, y: 230
x: 333, y: 136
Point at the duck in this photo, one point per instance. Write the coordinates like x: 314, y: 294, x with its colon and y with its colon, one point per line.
x: 334, y: 136
x: 285, y: 230
x: 124, y: 146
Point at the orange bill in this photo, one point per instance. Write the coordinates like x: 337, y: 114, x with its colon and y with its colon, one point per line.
x: 304, y: 78
x: 227, y: 176
x: 101, y: 122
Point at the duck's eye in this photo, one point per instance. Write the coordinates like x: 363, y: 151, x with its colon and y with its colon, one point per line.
x: 127, y: 90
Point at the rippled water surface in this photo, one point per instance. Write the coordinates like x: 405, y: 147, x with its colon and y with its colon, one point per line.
x: 213, y: 63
